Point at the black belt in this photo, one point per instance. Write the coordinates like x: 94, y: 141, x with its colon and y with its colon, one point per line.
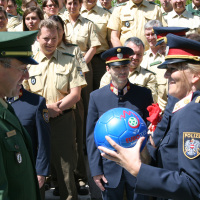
x: 66, y: 111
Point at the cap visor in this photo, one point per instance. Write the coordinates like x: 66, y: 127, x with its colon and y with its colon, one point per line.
x: 118, y: 63
x: 159, y: 42
x: 27, y: 60
x: 170, y: 61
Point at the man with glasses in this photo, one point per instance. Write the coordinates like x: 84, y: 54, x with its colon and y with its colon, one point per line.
x: 18, y: 177
x: 111, y: 178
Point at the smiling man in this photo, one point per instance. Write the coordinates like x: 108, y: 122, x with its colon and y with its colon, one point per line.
x: 112, y: 179
x: 18, y: 177
x: 59, y: 79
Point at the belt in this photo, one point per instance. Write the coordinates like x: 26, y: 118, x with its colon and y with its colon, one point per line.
x: 66, y: 111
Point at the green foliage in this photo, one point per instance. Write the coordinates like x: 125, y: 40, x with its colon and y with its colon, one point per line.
x: 187, y: 2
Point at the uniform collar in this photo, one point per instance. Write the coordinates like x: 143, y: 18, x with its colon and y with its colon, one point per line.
x: 3, y: 103
x: 66, y: 17
x: 42, y: 57
x: 137, y: 70
x: 95, y: 9
x: 184, y: 14
x: 150, y: 53
x: 62, y: 10
x: 116, y: 91
x: 182, y: 103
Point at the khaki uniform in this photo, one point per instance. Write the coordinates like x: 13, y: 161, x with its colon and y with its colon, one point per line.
x: 13, y: 21
x: 53, y: 78
x: 164, y: 14
x: 130, y: 19
x: 61, y: 12
x: 82, y: 33
x: 186, y: 19
x: 151, y: 62
x: 139, y: 76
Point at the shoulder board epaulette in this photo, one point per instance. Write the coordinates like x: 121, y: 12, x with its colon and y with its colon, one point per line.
x: 121, y: 4
x: 156, y: 63
x: 151, y: 2
x: 69, y: 54
x: 69, y: 45
x: 107, y: 10
x: 150, y: 71
x: 165, y: 13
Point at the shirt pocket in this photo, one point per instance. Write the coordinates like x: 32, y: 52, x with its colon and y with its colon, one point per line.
x: 35, y: 81
x: 101, y: 27
x: 62, y: 79
x: 16, y: 156
x: 127, y: 22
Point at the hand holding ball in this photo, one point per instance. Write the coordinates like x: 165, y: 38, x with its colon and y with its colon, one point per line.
x: 122, y: 125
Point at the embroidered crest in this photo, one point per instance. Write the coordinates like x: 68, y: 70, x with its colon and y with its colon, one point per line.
x: 45, y: 115
x: 127, y: 24
x: 191, y: 144
x: 33, y: 80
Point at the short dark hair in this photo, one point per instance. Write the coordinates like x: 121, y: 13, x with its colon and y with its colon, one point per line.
x: 13, y: 1
x: 29, y: 10
x: 80, y: 1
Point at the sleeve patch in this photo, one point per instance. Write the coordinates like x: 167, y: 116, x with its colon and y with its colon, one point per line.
x: 45, y: 115
x: 191, y: 144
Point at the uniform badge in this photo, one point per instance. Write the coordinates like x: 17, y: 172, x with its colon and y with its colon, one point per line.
x: 197, y: 99
x: 19, y: 157
x: 45, y: 115
x: 127, y: 24
x: 191, y: 144
x: 33, y: 80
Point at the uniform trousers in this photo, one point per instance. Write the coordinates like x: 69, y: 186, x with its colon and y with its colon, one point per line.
x: 118, y: 192
x: 63, y: 153
x: 80, y: 171
x: 99, y: 69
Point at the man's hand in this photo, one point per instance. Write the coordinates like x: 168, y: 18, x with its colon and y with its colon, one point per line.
x: 54, y: 110
x: 41, y: 180
x: 98, y: 180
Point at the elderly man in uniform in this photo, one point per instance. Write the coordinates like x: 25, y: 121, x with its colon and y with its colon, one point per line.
x: 179, y: 16
x: 112, y: 179
x: 59, y: 79
x: 128, y: 20
x: 18, y: 178
x: 194, y: 7
x: 137, y: 74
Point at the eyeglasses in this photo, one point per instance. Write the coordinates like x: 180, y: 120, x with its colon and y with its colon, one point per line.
x: 51, y: 5
x: 24, y: 71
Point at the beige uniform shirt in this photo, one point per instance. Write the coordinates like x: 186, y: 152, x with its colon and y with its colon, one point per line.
x: 151, y: 62
x: 82, y: 33
x: 140, y: 76
x: 130, y: 19
x: 100, y: 18
x: 186, y: 19
x: 53, y: 78
x: 13, y: 21
x: 164, y: 14
x: 76, y: 52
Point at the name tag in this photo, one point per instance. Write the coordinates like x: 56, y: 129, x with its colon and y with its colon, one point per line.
x: 11, y: 133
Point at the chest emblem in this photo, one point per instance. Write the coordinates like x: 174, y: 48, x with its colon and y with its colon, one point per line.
x: 127, y: 24
x: 19, y: 157
x: 33, y: 80
x: 191, y: 144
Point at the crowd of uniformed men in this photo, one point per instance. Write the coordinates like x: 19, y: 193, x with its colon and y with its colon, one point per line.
x: 75, y: 33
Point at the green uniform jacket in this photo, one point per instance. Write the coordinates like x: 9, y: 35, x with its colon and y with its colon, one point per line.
x: 18, y: 179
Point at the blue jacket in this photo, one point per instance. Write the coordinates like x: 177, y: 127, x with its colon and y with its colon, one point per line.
x: 33, y: 114
x: 101, y: 100
x: 178, y: 173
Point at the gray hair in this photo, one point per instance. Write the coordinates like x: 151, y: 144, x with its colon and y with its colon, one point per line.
x: 5, y: 62
x: 134, y: 40
x: 153, y: 23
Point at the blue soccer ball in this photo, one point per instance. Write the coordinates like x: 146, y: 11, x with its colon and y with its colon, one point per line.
x: 122, y: 125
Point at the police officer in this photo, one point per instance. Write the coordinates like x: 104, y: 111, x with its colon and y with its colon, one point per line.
x: 177, y: 174
x: 33, y: 114
x: 179, y: 16
x: 59, y: 79
x: 128, y: 20
x: 137, y: 74
x: 18, y: 178
x: 112, y: 179
x: 194, y: 7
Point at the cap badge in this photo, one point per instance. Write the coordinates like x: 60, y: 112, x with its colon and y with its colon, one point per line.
x: 120, y: 55
x: 119, y: 50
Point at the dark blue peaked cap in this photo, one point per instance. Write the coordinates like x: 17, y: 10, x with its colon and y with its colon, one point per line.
x: 161, y: 32
x: 117, y: 56
x: 181, y: 50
